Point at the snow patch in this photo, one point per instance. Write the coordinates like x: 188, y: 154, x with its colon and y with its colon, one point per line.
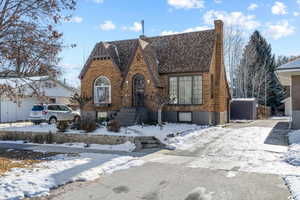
x: 160, y: 133
x: 61, y: 169
x: 126, y: 147
x: 231, y: 174
x: 293, y: 158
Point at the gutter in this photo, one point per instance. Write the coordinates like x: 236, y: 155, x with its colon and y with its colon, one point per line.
x: 288, y: 70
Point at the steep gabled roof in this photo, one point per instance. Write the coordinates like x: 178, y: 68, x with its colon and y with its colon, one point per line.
x: 151, y: 60
x: 187, y: 52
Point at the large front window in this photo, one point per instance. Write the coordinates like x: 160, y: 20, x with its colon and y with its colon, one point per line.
x: 102, y: 90
x: 185, y: 89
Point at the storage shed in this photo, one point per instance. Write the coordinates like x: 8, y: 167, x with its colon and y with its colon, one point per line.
x: 243, y: 109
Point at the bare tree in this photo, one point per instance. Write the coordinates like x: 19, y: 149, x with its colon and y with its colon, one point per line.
x: 159, y: 101
x: 255, y: 71
x: 29, y: 41
x: 233, y: 51
x: 82, y: 100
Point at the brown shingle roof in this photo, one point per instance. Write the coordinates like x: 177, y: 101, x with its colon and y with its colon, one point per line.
x: 187, y: 52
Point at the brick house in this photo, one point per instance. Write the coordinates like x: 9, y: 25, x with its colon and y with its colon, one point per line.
x: 126, y: 78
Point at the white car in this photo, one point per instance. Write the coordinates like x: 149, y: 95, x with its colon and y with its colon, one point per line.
x: 52, y: 113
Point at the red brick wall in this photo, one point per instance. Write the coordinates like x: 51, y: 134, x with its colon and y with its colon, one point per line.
x: 139, y: 66
x: 102, y: 68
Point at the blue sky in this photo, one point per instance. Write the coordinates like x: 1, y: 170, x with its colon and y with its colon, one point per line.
x: 106, y: 20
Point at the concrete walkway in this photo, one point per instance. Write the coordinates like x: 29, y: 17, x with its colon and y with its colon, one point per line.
x: 221, y: 173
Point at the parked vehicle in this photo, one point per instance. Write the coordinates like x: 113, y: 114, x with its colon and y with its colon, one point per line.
x: 52, y: 113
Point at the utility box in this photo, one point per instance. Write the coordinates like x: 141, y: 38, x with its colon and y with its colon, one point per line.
x: 243, y: 109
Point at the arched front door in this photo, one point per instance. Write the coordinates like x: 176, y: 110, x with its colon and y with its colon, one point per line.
x: 138, y: 90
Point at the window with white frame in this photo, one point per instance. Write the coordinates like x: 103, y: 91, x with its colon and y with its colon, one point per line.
x: 173, y: 90
x: 102, y: 90
x: 185, y: 89
x: 185, y: 117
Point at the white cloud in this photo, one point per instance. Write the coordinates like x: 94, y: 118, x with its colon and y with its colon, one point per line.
x: 296, y: 14
x: 252, y: 6
x: 239, y: 19
x: 193, y: 29
x: 186, y: 4
x: 218, y: 1
x: 76, y: 19
x: 98, y: 1
x: 107, y: 26
x: 298, y: 2
x: 279, y: 8
x: 280, y: 29
x: 136, y: 27
x: 169, y: 32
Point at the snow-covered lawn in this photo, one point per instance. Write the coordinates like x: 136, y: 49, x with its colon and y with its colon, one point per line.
x: 61, y: 169
x: 293, y: 157
x: 126, y: 147
x: 134, y: 131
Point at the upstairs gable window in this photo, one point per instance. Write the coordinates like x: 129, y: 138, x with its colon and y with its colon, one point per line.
x: 102, y: 90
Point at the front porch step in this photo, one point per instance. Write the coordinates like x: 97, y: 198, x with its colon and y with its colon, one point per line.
x: 150, y: 143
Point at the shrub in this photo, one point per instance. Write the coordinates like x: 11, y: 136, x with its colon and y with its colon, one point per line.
x: 102, y: 120
x: 49, y: 138
x: 40, y: 139
x: 62, y: 126
x: 113, y: 126
x: 88, y: 124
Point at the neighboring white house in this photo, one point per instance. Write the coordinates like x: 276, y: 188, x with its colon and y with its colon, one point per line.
x: 49, y: 91
x: 289, y: 75
x: 287, y: 106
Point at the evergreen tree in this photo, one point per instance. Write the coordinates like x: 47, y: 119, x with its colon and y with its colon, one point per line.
x: 276, y: 92
x: 256, y: 73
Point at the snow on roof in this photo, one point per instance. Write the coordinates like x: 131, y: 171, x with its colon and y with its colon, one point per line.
x: 16, y: 82
x: 295, y: 64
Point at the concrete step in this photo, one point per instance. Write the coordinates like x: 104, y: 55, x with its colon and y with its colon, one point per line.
x: 150, y: 142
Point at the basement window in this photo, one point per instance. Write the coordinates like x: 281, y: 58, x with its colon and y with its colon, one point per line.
x: 185, y: 117
x: 102, y: 116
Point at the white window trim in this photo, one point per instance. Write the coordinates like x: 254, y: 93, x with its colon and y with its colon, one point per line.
x: 185, y: 120
x: 95, y: 90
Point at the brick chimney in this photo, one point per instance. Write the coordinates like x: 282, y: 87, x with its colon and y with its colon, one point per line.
x: 219, y: 67
x: 219, y: 43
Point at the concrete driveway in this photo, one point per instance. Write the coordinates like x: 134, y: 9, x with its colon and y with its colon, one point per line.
x: 223, y: 165
x: 156, y: 181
